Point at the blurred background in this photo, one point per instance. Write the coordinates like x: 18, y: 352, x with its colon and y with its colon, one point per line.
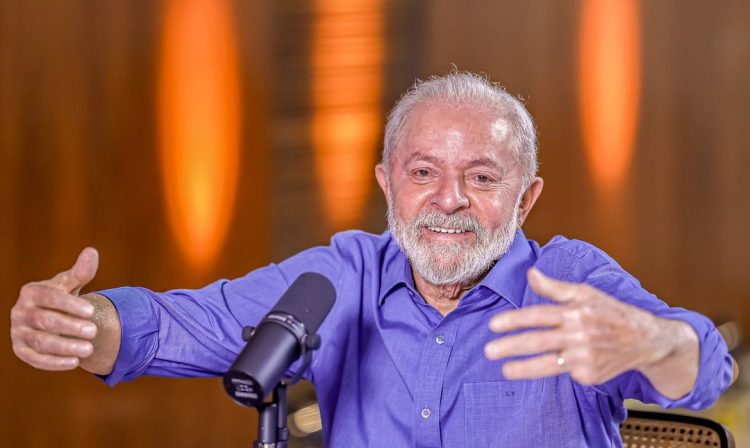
x: 190, y: 140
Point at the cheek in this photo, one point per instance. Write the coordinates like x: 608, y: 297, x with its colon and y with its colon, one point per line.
x: 409, y: 201
x: 496, y: 210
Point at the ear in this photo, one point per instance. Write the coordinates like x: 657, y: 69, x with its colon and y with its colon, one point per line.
x: 529, y: 199
x: 382, y: 178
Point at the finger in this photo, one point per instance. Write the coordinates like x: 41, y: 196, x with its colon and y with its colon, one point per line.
x: 527, y: 343
x: 51, y: 344
x: 82, y: 272
x: 46, y: 362
x: 62, y: 324
x: 536, y: 367
x: 587, y: 367
x: 534, y: 316
x: 553, y: 289
x: 52, y: 298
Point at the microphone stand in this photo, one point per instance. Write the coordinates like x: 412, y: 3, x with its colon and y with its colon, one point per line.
x: 272, y: 417
x: 272, y: 430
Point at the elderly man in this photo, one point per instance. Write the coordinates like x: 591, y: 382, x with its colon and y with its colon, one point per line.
x: 450, y: 329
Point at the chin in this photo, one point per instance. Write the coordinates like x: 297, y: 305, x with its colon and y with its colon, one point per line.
x: 439, y: 272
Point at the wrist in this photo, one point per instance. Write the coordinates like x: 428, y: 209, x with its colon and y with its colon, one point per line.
x: 108, y: 336
x: 660, y: 339
x: 673, y: 366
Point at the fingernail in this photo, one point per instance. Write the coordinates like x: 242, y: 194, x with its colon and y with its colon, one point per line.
x: 490, y: 351
x: 88, y: 309
x: 88, y: 331
x: 508, y: 371
x: 70, y: 363
x: 496, y: 323
x: 84, y: 349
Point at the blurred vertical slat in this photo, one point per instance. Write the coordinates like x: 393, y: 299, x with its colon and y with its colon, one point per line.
x: 347, y: 55
x: 609, y: 87
x: 342, y: 71
x: 199, y: 125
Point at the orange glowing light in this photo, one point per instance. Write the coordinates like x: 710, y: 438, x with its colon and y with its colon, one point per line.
x: 609, y: 86
x: 199, y: 124
x: 347, y: 57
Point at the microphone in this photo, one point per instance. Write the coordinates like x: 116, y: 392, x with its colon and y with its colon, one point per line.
x: 287, y: 332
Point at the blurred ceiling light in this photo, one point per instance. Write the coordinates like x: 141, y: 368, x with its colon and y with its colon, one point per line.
x: 609, y: 86
x: 347, y: 64
x: 199, y: 124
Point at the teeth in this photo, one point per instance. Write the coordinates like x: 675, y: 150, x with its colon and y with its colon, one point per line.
x: 442, y: 230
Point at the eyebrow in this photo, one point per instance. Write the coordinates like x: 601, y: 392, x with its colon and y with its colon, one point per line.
x: 482, y: 161
x: 421, y: 156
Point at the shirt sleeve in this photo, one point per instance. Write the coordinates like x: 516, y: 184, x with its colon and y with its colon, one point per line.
x: 188, y: 333
x: 715, y: 370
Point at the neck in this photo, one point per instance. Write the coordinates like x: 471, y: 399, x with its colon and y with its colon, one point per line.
x: 444, y: 298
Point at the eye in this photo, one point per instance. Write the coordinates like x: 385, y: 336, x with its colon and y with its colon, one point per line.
x: 422, y: 175
x: 481, y: 178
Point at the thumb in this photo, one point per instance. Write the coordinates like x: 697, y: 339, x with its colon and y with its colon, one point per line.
x: 82, y: 272
x: 548, y: 287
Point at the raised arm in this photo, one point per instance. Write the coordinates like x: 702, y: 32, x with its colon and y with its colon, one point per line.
x: 596, y: 337
x: 54, y: 328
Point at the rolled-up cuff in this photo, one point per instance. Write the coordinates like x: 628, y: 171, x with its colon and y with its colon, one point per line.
x: 140, y: 327
x: 714, y: 371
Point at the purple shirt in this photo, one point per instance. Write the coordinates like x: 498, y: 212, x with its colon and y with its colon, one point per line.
x: 392, y: 371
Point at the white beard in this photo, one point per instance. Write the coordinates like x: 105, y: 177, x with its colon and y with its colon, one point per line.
x: 449, y: 263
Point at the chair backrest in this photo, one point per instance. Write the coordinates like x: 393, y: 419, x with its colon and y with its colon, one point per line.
x: 660, y: 430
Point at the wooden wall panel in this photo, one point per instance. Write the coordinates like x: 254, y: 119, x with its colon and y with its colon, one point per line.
x: 78, y: 166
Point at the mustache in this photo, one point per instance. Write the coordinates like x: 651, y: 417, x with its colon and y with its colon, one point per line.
x: 434, y: 218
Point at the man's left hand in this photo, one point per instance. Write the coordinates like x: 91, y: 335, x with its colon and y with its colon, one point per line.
x: 592, y: 336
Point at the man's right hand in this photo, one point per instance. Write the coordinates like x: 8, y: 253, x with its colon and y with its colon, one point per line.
x: 53, y: 328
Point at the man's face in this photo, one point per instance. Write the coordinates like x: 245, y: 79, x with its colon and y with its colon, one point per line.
x: 453, y: 192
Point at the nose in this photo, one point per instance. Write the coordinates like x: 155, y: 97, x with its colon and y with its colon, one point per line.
x: 450, y: 195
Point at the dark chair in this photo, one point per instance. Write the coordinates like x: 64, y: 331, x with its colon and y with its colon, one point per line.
x: 659, y: 430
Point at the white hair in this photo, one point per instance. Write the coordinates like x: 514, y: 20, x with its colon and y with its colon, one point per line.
x: 464, y: 88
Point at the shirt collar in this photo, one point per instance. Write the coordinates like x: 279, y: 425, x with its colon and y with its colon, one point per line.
x: 507, y: 278
x: 396, y: 270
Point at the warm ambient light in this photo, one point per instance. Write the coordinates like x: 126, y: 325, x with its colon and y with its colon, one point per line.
x: 609, y: 86
x: 347, y: 65
x: 199, y: 124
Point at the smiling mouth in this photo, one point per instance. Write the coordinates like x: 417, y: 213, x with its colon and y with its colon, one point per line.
x: 446, y: 230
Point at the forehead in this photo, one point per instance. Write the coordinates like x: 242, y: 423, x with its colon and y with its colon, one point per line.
x: 454, y: 133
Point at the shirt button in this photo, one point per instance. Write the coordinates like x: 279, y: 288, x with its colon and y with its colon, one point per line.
x: 440, y: 339
x: 426, y: 413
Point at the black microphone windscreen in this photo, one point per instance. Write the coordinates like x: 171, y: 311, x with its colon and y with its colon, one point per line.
x: 309, y: 299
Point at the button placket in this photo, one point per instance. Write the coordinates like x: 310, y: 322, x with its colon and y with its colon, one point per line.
x: 433, y: 365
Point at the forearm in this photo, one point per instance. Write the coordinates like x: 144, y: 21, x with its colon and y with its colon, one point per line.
x: 675, y: 371
x: 107, y: 340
